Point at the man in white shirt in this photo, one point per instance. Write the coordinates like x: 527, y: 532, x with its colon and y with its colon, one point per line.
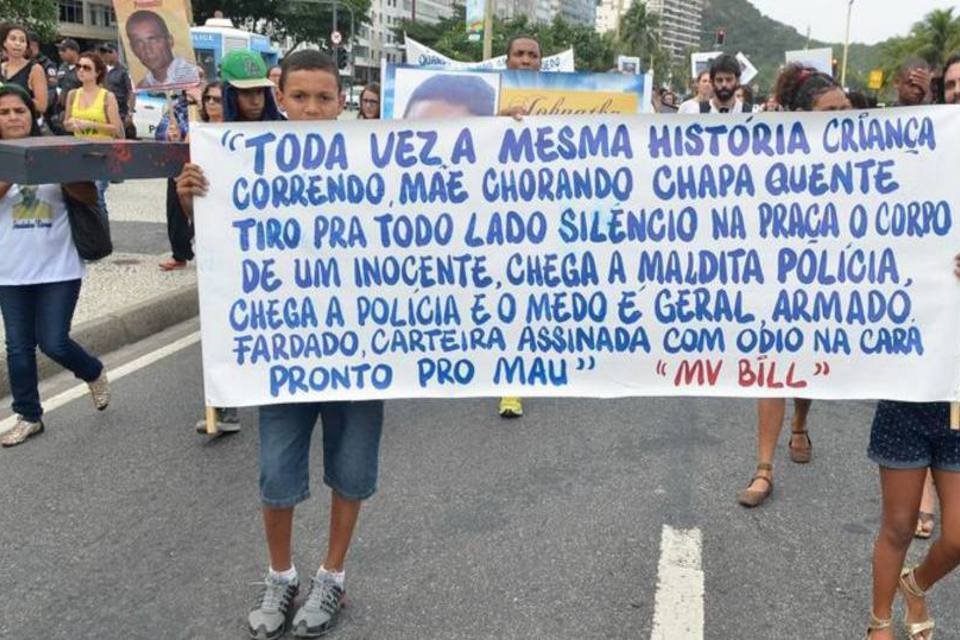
x: 724, y: 78
x: 152, y: 43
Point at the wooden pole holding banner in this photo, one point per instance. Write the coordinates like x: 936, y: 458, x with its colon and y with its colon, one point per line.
x: 210, y: 417
x: 955, y: 416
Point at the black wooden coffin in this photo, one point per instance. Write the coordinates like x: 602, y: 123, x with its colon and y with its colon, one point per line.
x: 49, y: 159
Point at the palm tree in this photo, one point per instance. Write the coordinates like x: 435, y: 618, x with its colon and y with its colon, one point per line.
x: 933, y: 39
x: 637, y: 32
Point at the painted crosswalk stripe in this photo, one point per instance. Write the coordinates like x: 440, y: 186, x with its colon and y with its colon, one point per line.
x: 123, y: 370
x: 678, y: 607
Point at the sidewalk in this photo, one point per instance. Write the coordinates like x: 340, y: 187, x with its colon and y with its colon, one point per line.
x: 126, y: 297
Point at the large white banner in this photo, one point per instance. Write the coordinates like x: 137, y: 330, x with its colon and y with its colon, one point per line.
x: 423, y: 56
x: 768, y: 255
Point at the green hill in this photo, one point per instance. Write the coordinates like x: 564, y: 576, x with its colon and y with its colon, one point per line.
x: 764, y: 40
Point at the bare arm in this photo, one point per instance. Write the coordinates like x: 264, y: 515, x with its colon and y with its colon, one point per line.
x: 114, y: 123
x: 38, y: 84
x: 68, y: 122
x: 131, y: 95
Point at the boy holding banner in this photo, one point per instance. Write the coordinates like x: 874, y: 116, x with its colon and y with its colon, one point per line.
x: 309, y: 90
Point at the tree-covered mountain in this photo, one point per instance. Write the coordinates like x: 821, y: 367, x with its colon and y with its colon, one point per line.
x: 764, y: 40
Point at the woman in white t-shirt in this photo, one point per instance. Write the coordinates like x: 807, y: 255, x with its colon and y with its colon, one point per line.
x: 40, y: 275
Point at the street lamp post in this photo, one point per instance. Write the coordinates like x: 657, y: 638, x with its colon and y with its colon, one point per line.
x: 846, y: 48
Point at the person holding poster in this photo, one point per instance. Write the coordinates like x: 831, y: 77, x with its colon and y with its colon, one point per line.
x: 523, y: 52
x: 799, y: 88
x: 152, y: 43
x: 310, y: 90
x: 910, y: 441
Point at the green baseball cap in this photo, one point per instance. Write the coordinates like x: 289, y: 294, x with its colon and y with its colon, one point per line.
x: 244, y: 70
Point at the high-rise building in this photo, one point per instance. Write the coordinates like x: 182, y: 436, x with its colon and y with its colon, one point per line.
x: 680, y: 22
x: 581, y: 12
x: 609, y: 13
x: 376, y: 41
x: 544, y: 11
x: 86, y: 20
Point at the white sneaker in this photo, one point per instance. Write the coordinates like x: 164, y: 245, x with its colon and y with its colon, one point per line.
x: 22, y: 430
x: 100, y: 391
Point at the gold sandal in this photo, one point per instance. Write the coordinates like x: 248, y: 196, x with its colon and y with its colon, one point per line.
x: 909, y: 586
x: 752, y: 499
x: 876, y: 624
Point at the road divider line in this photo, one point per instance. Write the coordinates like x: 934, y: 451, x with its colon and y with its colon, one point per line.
x: 678, y: 607
x: 122, y: 371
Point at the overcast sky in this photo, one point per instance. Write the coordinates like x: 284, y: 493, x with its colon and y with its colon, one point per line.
x: 872, y: 21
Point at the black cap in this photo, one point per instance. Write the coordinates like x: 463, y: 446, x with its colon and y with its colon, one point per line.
x: 108, y: 47
x: 68, y: 43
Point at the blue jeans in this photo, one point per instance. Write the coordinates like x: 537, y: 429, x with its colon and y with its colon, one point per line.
x: 40, y: 315
x: 351, y: 449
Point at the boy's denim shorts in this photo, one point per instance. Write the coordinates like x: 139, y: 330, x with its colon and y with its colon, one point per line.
x: 351, y: 449
x: 914, y: 435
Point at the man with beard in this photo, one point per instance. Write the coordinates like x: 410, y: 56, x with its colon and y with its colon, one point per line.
x: 951, y: 81
x: 725, y: 79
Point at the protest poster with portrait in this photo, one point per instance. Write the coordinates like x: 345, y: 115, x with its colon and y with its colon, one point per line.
x: 540, y: 94
x: 443, y: 93
x: 155, y: 35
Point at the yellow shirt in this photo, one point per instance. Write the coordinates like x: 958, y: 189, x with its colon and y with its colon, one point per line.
x: 96, y: 112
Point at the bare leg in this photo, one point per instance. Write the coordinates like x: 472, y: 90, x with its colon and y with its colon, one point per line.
x: 901, y: 489
x: 944, y: 554
x: 770, y: 412
x: 927, y: 505
x: 801, y: 408
x: 278, y: 526
x: 343, y: 518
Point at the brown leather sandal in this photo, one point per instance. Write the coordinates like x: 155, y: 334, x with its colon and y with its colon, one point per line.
x: 803, y: 454
x: 750, y: 499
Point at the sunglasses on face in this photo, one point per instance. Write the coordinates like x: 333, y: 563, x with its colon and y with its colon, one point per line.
x: 213, y: 99
x: 86, y: 67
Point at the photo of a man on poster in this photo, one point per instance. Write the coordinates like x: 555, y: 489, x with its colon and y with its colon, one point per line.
x: 163, y: 64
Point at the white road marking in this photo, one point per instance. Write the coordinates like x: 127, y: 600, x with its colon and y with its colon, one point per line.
x: 81, y: 390
x: 678, y: 608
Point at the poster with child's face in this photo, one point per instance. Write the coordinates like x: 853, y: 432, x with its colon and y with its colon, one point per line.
x: 441, y: 93
x: 155, y: 35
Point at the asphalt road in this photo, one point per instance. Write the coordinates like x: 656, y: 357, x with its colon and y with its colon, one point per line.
x: 127, y: 524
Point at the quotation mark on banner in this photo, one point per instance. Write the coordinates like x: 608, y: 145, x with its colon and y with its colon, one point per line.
x: 582, y: 364
x: 822, y: 369
x: 230, y: 141
x: 661, y: 368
